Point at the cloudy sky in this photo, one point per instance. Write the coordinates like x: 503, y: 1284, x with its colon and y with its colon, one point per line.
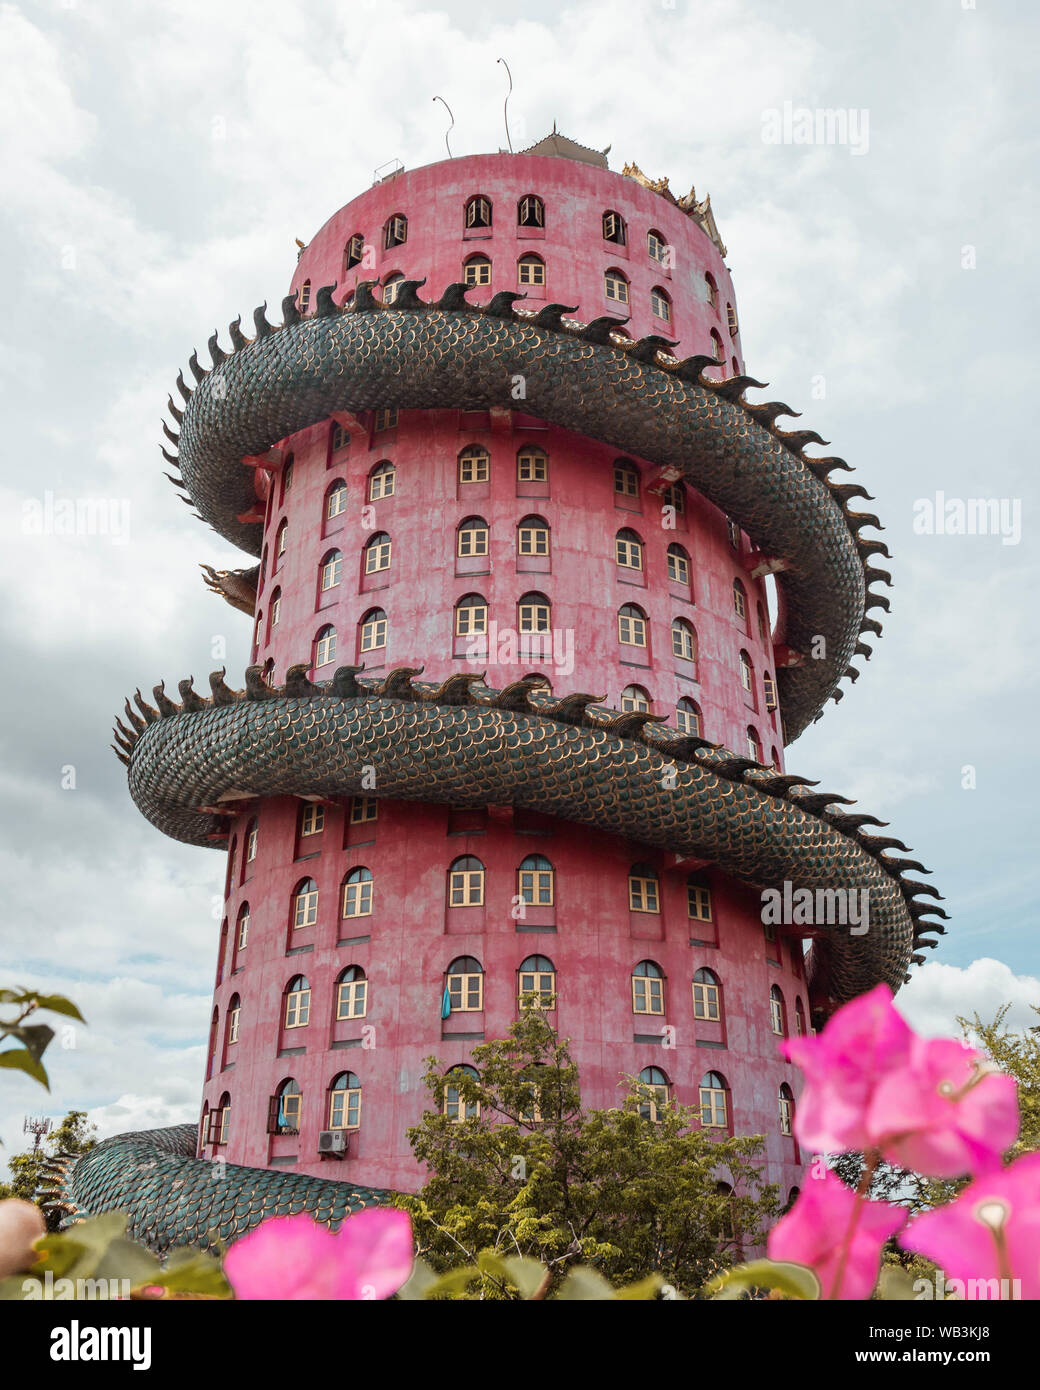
x: 158, y: 162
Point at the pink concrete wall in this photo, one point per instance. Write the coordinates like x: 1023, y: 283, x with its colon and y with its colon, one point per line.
x: 410, y: 938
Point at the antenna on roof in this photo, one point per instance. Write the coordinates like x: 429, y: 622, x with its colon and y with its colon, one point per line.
x: 505, y: 104
x: 451, y: 127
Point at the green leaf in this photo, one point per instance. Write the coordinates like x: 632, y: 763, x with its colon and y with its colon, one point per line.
x: 793, y: 1281
x: 896, y: 1285
x: 644, y: 1289
x: 584, y: 1283
x: 35, y: 1036
x: 455, y: 1281
x: 191, y: 1271
x: 421, y: 1278
x: 22, y: 1060
x: 525, y: 1274
x: 77, y: 1252
x: 58, y: 1004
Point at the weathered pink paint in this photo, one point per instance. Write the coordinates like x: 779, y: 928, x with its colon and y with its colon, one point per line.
x: 407, y: 943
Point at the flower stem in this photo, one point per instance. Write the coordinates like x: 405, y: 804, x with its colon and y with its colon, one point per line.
x: 871, y: 1160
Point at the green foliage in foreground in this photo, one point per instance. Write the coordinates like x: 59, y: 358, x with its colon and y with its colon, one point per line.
x: 538, y: 1179
x: 33, y: 1038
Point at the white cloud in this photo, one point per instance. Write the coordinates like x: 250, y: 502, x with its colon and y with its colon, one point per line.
x: 939, y: 994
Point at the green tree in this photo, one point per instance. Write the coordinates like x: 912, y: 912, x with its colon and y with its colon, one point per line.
x: 629, y: 1191
x: 73, y: 1136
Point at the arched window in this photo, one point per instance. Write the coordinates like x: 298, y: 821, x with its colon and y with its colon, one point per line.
x: 471, y: 615
x: 763, y: 627
x: 345, y: 1102
x: 331, y: 570
x: 643, y: 888
x: 391, y: 286
x: 325, y: 646
x: 472, y: 537
x: 377, y: 553
x: 534, y: 613
x: 305, y: 904
x: 647, y: 988
x: 466, y: 882
x: 631, y: 626
x: 615, y: 286
x: 740, y: 600
x: 455, y: 1107
x: 747, y: 673
x: 769, y: 691
x: 731, y: 320
x: 654, y: 1092
x: 275, y: 611
x: 799, y: 1017
x: 220, y: 1120
x: 336, y: 499
x: 786, y: 1099
x: 395, y: 231
x: 634, y: 698
x: 464, y: 985
x: 532, y: 465
x: 684, y: 641
x: 373, y: 630
x: 530, y: 270
x: 792, y: 1197
x: 351, y: 993
x: 243, y: 926
x: 706, y: 1001
x: 357, y: 893
x: 234, y: 1018
x: 688, y: 717
x: 281, y: 540
x: 678, y: 565
x: 698, y: 899
x: 657, y: 246
x: 284, y: 1111
x: 536, y: 880
x: 355, y: 251
x: 532, y: 536
x: 661, y: 304
x: 776, y: 1011
x: 385, y: 419
x: 530, y: 212
x: 312, y: 819
x: 626, y: 478
x: 382, y: 481
x: 252, y: 838
x: 478, y: 212
x: 297, y: 1002
x: 713, y: 291
x: 536, y: 977
x: 674, y: 496
x: 474, y: 464
x: 303, y: 297
x: 287, y: 476
x: 614, y: 228
x: 717, y: 349
x: 628, y: 549
x: 754, y: 744
x: 714, y: 1102
x: 477, y: 271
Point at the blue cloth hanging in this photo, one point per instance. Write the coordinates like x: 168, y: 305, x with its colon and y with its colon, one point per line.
x: 446, y: 1003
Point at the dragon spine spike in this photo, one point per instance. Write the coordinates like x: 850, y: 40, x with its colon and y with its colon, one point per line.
x: 407, y: 298
x: 877, y: 576
x: 873, y: 600
x: 238, y: 338
x: 263, y: 328
x: 364, y: 300
x: 151, y: 715
x: 198, y: 372
x: 646, y: 349
x: 174, y: 410
x: 598, y: 331
x: 135, y: 721
x: 501, y: 304
x: 290, y: 311
x: 796, y: 440
x: 171, y: 435
x: 166, y: 706
x: 733, y: 388
x: 183, y: 388
x: 551, y: 315
x: 453, y: 299
x: 216, y: 352
x: 690, y: 368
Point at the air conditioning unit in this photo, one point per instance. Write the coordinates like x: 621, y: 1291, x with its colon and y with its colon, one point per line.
x: 333, y: 1141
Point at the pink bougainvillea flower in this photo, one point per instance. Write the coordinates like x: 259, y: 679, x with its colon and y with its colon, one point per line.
x: 943, y: 1113
x: 991, y: 1232
x: 862, y: 1042
x: 837, y: 1235
x: 292, y: 1257
x: 21, y: 1223
x: 873, y: 1083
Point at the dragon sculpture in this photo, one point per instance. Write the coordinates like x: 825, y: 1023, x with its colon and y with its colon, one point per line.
x: 464, y: 743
